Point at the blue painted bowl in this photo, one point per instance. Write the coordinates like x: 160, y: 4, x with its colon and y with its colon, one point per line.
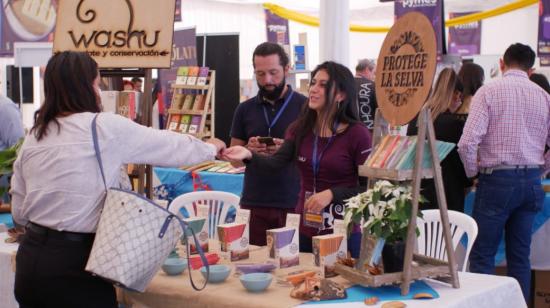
x: 256, y: 282
x: 174, y: 266
x: 218, y: 273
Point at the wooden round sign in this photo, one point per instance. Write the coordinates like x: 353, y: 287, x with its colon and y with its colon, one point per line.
x: 405, y: 68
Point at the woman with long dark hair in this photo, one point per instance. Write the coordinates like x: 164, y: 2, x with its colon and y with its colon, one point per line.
x: 57, y: 188
x: 327, y: 143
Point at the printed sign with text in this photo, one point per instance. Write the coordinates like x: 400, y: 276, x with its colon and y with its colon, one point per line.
x: 117, y: 33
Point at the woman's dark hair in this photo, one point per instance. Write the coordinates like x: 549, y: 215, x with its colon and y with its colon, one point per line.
x: 340, y: 80
x: 471, y: 76
x: 68, y: 88
x: 540, y: 80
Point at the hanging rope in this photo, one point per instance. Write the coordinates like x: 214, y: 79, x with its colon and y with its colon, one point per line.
x: 314, y: 21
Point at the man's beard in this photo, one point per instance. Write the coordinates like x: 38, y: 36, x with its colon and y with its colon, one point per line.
x: 272, y: 94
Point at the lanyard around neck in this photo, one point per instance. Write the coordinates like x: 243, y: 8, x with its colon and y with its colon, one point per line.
x: 278, y: 115
x: 316, y: 159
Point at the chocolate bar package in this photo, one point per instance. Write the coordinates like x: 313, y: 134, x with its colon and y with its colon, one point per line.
x: 327, y: 249
x: 199, y: 225
x: 234, y: 237
x: 284, y: 243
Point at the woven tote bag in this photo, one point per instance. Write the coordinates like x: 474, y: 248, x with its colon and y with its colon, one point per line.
x: 134, y: 236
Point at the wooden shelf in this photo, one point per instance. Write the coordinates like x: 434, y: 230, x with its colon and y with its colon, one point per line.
x: 392, y: 174
x: 414, y: 266
x: 202, y: 135
x: 186, y: 111
x: 191, y: 87
x: 425, y: 267
x: 367, y: 280
x: 205, y: 129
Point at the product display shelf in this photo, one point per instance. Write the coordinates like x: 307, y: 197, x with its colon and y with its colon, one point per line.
x: 205, y: 127
x: 392, y: 174
x: 414, y: 266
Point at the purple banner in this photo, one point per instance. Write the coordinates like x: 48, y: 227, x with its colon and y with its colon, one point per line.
x: 277, y: 29
x: 177, y: 13
x: 21, y: 24
x: 464, y: 40
x: 184, y: 53
x: 544, y: 33
x: 430, y: 8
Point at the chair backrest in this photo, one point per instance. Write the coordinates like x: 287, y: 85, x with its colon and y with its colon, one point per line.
x: 219, y: 203
x: 431, y: 242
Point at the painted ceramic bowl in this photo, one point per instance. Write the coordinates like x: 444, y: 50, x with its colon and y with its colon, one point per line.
x: 174, y: 266
x: 256, y: 282
x: 218, y: 273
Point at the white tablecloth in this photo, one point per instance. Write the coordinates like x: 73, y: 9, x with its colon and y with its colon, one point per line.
x: 476, y: 290
x: 7, y: 273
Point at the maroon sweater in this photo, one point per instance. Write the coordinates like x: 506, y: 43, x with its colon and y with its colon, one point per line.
x: 337, y: 171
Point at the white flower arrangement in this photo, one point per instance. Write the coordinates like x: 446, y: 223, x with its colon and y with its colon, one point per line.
x: 384, y: 210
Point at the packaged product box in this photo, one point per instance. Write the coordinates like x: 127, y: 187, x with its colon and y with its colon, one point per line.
x: 184, y: 123
x: 327, y: 249
x: 234, y: 237
x: 542, y: 289
x: 128, y: 104
x: 109, y: 100
x: 199, y: 225
x: 203, y: 76
x: 181, y: 75
x: 284, y: 243
x: 174, y: 122
x: 195, y: 124
x: 192, y: 75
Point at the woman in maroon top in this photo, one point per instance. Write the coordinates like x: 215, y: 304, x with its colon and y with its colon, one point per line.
x: 328, y: 143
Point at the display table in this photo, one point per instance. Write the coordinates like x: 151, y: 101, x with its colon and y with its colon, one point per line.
x: 7, y: 272
x: 540, y: 257
x: 169, y: 183
x: 476, y: 290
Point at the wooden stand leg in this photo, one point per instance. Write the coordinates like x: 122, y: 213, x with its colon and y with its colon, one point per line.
x: 411, y: 233
x: 442, y: 201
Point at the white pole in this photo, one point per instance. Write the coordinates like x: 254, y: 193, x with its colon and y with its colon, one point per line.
x: 334, y: 31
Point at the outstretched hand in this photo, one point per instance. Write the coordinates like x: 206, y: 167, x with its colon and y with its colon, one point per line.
x: 236, y: 154
x: 219, y: 144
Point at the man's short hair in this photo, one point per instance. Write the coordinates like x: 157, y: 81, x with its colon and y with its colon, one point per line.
x: 519, y: 55
x: 365, y: 64
x: 268, y: 49
x: 136, y: 79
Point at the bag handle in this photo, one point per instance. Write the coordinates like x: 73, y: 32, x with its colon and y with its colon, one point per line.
x: 184, y: 225
x: 96, y: 148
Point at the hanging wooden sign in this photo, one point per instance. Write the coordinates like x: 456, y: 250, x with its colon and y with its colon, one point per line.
x: 405, y: 68
x: 117, y: 33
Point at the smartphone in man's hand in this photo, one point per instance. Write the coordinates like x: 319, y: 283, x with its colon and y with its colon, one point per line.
x: 266, y: 140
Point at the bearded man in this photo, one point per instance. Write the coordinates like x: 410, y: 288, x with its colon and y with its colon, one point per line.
x: 260, y: 124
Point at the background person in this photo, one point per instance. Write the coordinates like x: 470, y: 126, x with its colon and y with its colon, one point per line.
x: 136, y: 81
x: 268, y: 196
x: 448, y: 127
x: 328, y: 143
x: 57, y: 186
x: 541, y: 81
x: 503, y: 140
x: 471, y: 76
